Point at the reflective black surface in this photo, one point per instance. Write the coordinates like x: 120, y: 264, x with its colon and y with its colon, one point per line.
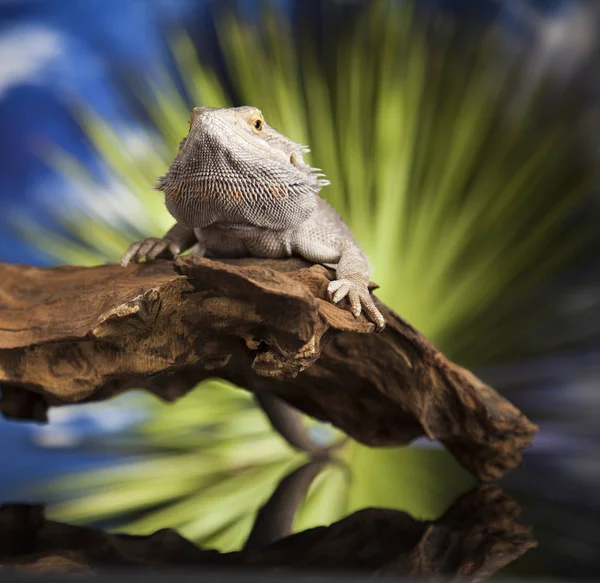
x: 482, y: 532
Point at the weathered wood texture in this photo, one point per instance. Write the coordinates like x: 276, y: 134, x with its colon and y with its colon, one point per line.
x: 481, y: 533
x: 72, y: 334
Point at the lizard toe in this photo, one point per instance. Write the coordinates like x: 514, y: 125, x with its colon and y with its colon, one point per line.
x: 340, y: 294
x: 174, y: 249
x: 163, y: 248
x: 355, y: 303
x: 131, y: 253
x: 146, y: 247
x: 334, y: 286
x: 149, y: 250
x: 373, y: 313
x: 156, y: 250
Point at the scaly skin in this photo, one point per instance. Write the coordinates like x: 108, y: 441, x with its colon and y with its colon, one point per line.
x: 237, y: 188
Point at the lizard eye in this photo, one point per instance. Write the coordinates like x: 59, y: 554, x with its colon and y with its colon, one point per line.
x: 258, y: 124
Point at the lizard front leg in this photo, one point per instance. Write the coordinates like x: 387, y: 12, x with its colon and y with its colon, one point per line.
x: 178, y: 239
x: 320, y: 244
x: 353, y: 282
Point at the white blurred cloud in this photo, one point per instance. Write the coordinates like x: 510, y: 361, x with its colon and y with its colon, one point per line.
x: 25, y: 53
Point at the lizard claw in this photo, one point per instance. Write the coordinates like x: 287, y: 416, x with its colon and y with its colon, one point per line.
x: 150, y: 249
x: 359, y: 297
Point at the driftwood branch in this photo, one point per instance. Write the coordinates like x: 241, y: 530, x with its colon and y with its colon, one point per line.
x: 73, y: 334
x: 481, y: 533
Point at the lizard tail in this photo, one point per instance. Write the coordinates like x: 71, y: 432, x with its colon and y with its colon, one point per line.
x: 287, y: 421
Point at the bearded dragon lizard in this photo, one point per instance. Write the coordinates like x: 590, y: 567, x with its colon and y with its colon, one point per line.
x: 237, y: 187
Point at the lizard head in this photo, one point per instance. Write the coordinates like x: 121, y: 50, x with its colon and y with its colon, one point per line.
x: 234, y: 150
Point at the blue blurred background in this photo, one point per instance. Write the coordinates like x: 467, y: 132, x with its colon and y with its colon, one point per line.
x: 57, y: 54
x: 54, y: 52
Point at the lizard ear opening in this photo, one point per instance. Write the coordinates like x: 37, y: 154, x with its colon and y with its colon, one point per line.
x: 296, y: 159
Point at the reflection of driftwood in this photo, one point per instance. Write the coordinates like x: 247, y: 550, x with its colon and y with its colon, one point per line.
x: 73, y: 334
x: 481, y: 533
